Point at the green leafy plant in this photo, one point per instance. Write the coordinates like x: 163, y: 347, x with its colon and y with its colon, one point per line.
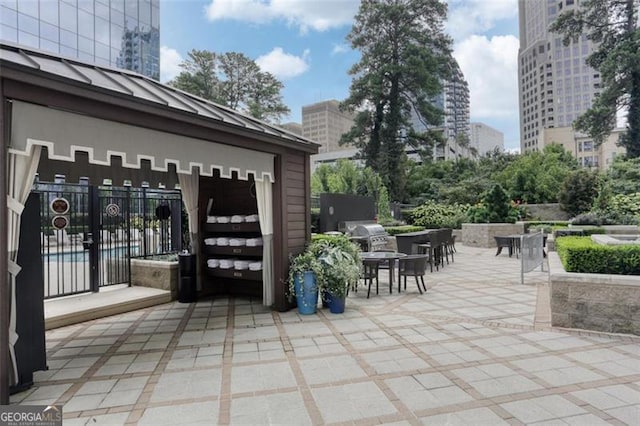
x: 432, y: 215
x: 307, y: 261
x: 578, y: 191
x: 496, y: 208
x: 340, y: 260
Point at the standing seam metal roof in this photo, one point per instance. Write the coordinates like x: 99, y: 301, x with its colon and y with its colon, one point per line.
x: 138, y: 86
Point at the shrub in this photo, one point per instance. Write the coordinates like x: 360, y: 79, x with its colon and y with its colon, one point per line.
x: 587, y: 230
x: 395, y: 230
x: 592, y: 218
x: 578, y: 191
x: 496, y: 208
x: 581, y: 254
x: 433, y: 215
x: 546, y: 226
x: 622, y: 204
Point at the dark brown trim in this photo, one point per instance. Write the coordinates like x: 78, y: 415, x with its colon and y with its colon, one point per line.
x: 307, y: 201
x: 279, y: 229
x: 5, y: 306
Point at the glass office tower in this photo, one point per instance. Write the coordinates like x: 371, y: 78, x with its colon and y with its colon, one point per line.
x: 116, y: 33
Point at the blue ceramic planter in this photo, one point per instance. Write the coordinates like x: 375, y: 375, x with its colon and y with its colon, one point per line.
x: 336, y: 304
x: 306, y: 293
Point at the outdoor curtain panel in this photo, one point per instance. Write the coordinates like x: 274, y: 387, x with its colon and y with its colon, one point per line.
x: 21, y: 170
x: 264, y: 197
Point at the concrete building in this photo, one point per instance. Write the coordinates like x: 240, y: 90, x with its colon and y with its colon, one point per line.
x: 113, y: 33
x: 324, y: 123
x: 582, y: 146
x: 555, y: 84
x: 485, y: 138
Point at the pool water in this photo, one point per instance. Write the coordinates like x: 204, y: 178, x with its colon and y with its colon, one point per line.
x: 83, y: 255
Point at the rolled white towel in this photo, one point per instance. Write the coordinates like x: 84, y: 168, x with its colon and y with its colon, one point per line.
x: 254, y: 242
x: 223, y: 219
x: 211, y: 219
x: 251, y: 218
x: 255, y: 266
x: 236, y: 242
x: 226, y: 263
x: 213, y: 263
x: 241, y: 264
x: 236, y: 218
x: 222, y: 241
x: 210, y: 241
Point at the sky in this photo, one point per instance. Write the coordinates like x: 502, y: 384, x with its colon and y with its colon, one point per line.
x: 303, y: 43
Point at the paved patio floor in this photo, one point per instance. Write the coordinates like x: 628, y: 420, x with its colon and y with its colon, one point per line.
x: 475, y: 349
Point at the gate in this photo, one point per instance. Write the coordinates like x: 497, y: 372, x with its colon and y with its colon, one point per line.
x: 90, y: 233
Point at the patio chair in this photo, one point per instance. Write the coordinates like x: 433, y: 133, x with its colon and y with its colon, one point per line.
x: 370, y: 273
x: 502, y: 242
x: 433, y: 250
x: 447, y: 243
x: 414, y: 265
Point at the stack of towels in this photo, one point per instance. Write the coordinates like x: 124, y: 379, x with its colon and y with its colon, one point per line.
x: 237, y: 218
x: 253, y: 242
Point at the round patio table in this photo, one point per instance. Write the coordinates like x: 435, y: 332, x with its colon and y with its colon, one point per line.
x: 388, y: 256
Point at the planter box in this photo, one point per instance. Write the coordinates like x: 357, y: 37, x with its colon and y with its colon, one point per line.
x: 481, y: 234
x: 158, y: 274
x: 600, y: 302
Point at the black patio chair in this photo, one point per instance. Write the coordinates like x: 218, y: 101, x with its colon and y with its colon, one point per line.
x: 414, y: 265
x: 502, y: 242
x: 370, y: 273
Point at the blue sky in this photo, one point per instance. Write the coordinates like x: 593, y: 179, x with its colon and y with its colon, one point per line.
x: 303, y: 43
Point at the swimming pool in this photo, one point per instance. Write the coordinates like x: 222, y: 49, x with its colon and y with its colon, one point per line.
x: 83, y: 255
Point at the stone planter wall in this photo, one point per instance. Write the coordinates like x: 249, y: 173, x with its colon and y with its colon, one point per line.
x: 599, y: 302
x: 481, y: 234
x: 156, y: 274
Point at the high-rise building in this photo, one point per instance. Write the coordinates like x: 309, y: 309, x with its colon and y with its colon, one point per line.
x: 454, y: 102
x: 118, y: 33
x: 324, y: 123
x: 555, y: 83
x: 485, y: 138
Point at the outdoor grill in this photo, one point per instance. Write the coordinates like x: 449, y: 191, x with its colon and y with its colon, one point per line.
x: 372, y: 234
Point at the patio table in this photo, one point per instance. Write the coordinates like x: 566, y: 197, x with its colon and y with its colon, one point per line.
x: 382, y: 256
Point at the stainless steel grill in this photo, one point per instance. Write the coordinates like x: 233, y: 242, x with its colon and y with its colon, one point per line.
x: 374, y: 235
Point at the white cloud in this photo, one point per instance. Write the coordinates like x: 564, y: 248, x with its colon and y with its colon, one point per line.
x: 468, y: 17
x: 283, y: 65
x: 339, y: 48
x: 305, y: 14
x: 490, y: 66
x: 170, y: 61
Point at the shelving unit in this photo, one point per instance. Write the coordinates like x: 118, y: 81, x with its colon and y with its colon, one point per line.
x: 220, y: 276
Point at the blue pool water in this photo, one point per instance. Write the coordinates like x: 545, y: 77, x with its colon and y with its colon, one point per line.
x: 83, y: 255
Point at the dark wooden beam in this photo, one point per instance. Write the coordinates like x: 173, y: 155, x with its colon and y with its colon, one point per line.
x: 5, y: 305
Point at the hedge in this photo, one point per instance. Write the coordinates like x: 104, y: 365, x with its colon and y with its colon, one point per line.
x: 395, y: 230
x: 581, y: 254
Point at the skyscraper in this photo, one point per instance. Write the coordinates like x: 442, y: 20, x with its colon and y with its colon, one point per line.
x: 117, y: 33
x: 555, y: 83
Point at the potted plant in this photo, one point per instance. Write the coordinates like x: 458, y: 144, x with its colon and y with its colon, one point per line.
x: 340, y: 259
x: 305, y: 276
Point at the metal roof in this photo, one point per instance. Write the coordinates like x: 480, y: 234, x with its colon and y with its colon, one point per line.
x: 128, y: 83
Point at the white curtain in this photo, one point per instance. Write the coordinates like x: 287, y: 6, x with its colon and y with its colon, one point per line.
x: 265, y: 212
x: 21, y: 173
x: 190, y: 187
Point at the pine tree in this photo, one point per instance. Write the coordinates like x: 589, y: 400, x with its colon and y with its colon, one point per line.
x: 405, y: 56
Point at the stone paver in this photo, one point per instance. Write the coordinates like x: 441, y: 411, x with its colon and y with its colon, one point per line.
x: 475, y: 349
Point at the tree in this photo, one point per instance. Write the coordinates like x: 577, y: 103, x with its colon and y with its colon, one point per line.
x: 405, y: 55
x: 578, y: 192
x: 233, y: 80
x: 613, y: 26
x: 624, y: 176
x: 536, y: 177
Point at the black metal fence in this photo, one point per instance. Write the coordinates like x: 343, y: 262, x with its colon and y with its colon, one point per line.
x: 91, y: 245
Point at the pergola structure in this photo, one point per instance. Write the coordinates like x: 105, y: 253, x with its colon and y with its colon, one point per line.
x: 115, y: 117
